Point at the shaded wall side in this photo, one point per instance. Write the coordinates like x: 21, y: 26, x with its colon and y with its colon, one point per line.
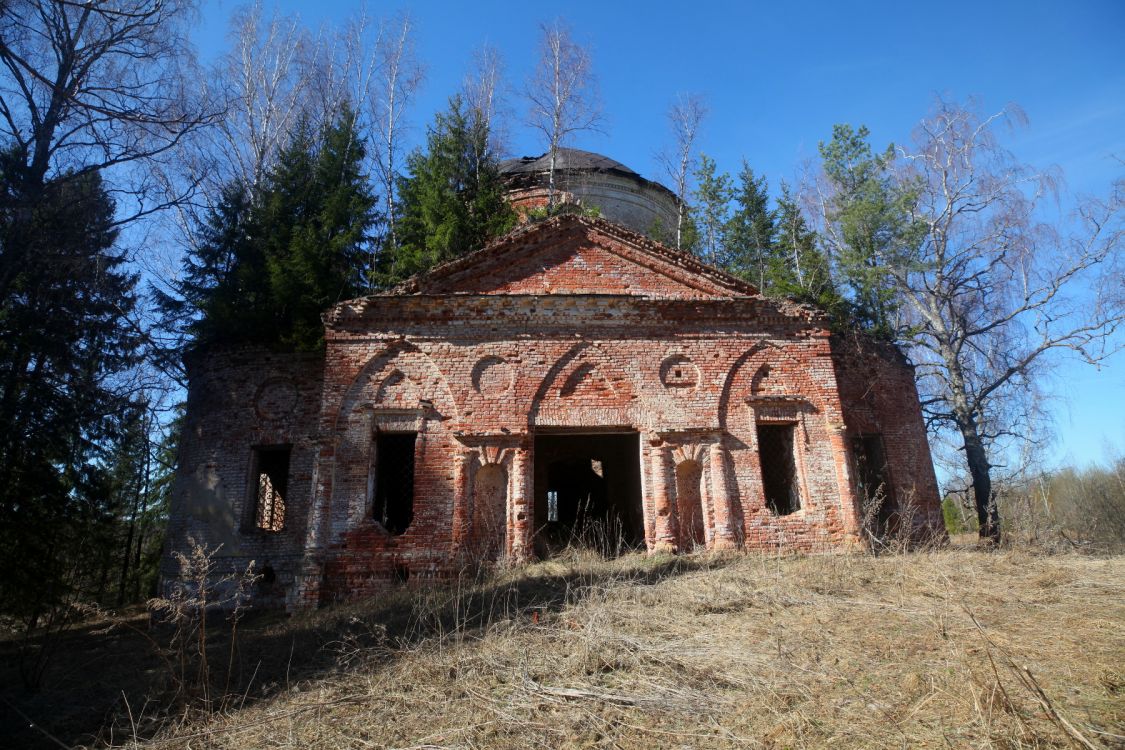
x: 880, y: 397
x: 239, y: 399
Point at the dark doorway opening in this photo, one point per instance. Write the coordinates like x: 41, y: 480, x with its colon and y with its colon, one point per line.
x: 394, y: 480
x: 588, y: 492
x: 880, y: 507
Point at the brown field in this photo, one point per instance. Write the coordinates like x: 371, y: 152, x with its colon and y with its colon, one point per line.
x: 952, y: 648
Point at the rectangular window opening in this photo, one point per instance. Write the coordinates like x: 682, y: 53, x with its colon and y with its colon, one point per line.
x: 394, y: 480
x: 271, y: 487
x: 879, y: 505
x: 779, y: 468
x: 872, y: 460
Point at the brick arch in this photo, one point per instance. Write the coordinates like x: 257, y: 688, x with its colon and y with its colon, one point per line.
x: 584, y: 380
x: 740, y: 379
x: 761, y: 371
x: 400, y: 372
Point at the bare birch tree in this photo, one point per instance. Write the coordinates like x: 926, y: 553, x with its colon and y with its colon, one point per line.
x: 398, y: 77
x: 344, y: 67
x: 685, y: 117
x: 266, y: 83
x: 276, y: 72
x: 562, y: 94
x: 261, y: 86
x: 990, y: 291
x: 90, y: 87
x: 486, y: 96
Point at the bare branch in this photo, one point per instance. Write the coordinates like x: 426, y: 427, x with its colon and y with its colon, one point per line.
x: 685, y: 117
x: 398, y: 77
x: 562, y: 94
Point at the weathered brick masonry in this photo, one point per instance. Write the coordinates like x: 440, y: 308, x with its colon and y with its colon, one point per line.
x: 572, y: 372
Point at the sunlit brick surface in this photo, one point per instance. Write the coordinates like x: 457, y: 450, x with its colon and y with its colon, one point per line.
x: 573, y: 325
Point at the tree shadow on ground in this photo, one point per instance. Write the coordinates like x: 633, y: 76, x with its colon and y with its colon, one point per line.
x: 108, y: 685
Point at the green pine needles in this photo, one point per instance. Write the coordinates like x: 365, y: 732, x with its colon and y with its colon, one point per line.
x: 452, y: 199
x: 267, y: 263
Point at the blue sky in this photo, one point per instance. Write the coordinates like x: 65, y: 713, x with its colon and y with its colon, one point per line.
x: 777, y: 76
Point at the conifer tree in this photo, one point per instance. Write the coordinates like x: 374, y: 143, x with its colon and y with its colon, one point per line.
x: 866, y: 224
x: 264, y: 271
x: 223, y: 292
x: 317, y: 213
x: 65, y: 336
x: 711, y: 213
x: 452, y: 198
x: 750, y: 232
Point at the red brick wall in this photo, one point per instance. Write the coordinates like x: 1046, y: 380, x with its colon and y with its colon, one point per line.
x: 577, y: 255
x: 238, y: 399
x: 498, y: 368
x: 689, y: 359
x: 879, y: 396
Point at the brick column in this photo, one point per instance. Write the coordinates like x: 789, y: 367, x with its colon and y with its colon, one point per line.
x: 665, y: 526
x: 849, y: 502
x: 520, y: 512
x: 724, y: 537
x: 462, y: 519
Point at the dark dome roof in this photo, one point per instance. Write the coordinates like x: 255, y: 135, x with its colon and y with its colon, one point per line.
x: 565, y: 158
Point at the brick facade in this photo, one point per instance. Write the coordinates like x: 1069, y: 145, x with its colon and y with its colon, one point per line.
x: 574, y: 361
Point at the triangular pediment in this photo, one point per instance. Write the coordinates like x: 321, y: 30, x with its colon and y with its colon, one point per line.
x: 571, y: 254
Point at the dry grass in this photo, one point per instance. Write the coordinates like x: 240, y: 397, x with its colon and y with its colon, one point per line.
x: 954, y: 648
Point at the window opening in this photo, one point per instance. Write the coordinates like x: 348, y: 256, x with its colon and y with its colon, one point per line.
x: 271, y: 487
x: 552, y: 505
x: 779, y: 468
x: 880, y: 509
x: 394, y: 480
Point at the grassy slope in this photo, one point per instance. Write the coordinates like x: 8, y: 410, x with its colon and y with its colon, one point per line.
x: 698, y: 652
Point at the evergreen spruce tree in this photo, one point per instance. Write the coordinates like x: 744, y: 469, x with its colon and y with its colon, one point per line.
x: 264, y: 272
x: 65, y: 336
x: 317, y: 214
x: 711, y: 212
x: 452, y: 198
x: 750, y: 233
x: 867, y: 224
x: 223, y: 293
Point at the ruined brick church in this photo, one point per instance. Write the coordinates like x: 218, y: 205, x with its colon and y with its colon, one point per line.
x: 573, y: 380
